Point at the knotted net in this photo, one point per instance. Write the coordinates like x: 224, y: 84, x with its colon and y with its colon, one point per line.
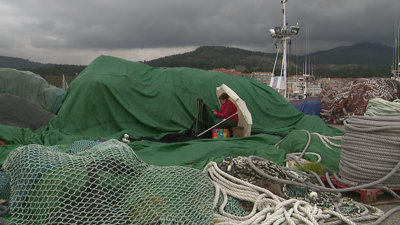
x: 347, y: 97
x: 105, y: 184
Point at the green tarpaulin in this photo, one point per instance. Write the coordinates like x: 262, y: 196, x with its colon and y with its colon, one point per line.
x: 113, y: 97
x: 31, y: 87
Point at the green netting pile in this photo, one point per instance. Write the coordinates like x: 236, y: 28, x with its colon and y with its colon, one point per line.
x: 106, y: 184
x: 31, y: 87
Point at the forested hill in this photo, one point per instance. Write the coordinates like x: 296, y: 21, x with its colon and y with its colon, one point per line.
x: 364, y: 54
x: 18, y: 63
x: 209, y: 57
x: 360, y: 60
x: 212, y: 57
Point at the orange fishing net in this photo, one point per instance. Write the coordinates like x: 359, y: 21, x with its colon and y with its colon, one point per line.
x: 343, y: 98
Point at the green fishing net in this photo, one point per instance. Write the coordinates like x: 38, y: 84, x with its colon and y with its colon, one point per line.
x: 103, y: 183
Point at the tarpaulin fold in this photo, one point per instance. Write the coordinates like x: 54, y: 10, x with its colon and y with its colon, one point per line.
x: 113, y: 97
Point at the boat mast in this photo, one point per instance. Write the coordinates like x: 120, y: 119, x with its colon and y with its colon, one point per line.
x: 284, y: 44
x: 284, y: 34
x: 276, y: 58
x: 306, y: 55
x: 394, y: 58
x: 396, y: 55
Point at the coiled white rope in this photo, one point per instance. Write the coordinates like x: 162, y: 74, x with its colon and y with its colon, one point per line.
x: 269, y: 208
x: 271, y: 214
x: 370, y: 153
x: 325, y: 140
x: 370, y: 150
x: 381, y: 107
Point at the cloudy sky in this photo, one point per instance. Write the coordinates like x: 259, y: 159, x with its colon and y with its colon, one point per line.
x: 78, y: 31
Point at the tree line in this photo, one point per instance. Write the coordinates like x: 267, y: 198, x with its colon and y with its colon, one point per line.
x: 54, y: 74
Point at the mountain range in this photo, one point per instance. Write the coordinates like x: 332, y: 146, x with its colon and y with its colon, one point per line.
x: 19, y: 63
x: 364, y: 54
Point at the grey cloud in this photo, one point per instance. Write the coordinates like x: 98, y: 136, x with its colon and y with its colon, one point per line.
x: 6, y: 41
x: 100, y: 26
x: 46, y: 24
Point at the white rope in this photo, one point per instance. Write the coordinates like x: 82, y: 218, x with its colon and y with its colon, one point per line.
x: 343, y: 218
x: 381, y: 107
x: 268, y: 208
x: 324, y: 139
x: 370, y: 150
x: 296, y: 154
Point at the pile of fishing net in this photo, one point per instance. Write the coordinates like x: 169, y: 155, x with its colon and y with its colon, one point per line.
x: 101, y: 183
x: 95, y: 182
x: 252, y: 190
x: 346, y: 97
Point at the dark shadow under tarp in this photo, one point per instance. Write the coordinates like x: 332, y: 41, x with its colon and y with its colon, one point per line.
x: 19, y: 112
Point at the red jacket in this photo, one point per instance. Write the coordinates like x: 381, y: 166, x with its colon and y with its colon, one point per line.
x: 227, y: 109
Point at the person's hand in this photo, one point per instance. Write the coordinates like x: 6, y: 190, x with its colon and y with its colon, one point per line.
x: 214, y: 111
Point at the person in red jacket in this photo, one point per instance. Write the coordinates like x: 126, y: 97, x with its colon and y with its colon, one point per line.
x: 227, y: 109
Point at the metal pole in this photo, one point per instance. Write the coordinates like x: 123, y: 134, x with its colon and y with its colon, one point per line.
x: 283, y: 11
x: 218, y: 124
x: 199, y: 109
x: 315, y: 69
x: 394, y: 57
x: 276, y: 59
x: 308, y: 50
x: 297, y: 63
x: 284, y: 47
x: 306, y: 57
x: 284, y: 65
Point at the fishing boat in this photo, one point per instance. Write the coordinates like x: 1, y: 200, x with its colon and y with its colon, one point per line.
x: 304, y: 80
x: 283, y: 34
x: 299, y: 85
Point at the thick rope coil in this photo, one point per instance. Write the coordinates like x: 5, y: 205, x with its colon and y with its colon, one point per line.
x: 381, y: 107
x: 264, y: 201
x: 269, y: 208
x: 370, y: 151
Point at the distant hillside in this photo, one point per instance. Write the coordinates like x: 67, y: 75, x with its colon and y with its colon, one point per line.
x: 212, y: 57
x: 209, y: 57
x: 52, y: 73
x: 18, y: 63
x: 364, y: 53
x: 360, y: 60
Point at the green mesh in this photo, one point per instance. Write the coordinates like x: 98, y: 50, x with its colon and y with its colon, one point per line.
x: 31, y: 87
x: 233, y: 206
x: 4, y: 186
x: 106, y: 184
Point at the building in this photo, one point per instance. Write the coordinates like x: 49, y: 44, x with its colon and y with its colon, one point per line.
x: 263, y: 77
x: 301, y: 85
x: 232, y: 72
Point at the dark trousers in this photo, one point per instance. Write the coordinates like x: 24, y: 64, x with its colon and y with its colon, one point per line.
x: 227, y: 124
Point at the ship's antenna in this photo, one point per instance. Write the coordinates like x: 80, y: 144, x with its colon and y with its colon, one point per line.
x: 284, y: 34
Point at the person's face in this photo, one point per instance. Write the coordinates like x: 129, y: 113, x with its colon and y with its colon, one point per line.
x: 222, y: 101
